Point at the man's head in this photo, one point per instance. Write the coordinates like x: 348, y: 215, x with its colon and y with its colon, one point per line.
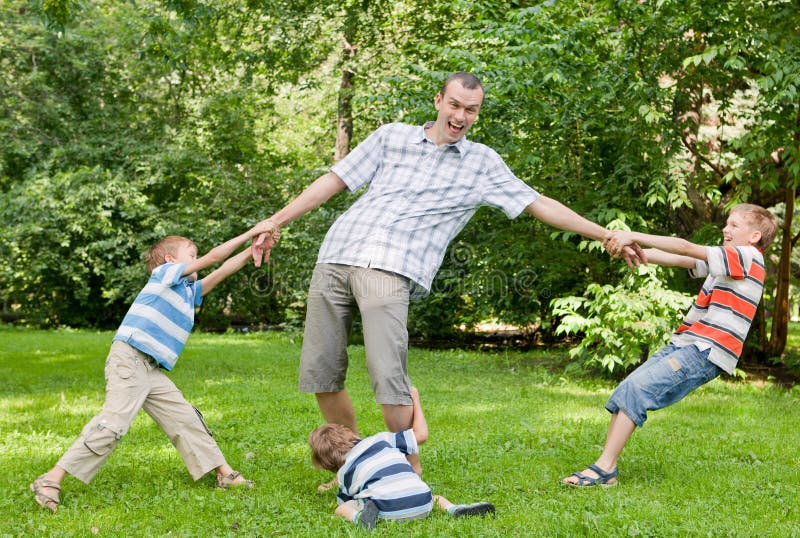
x: 458, y: 104
x: 173, y: 248
x: 329, y: 444
x: 750, y: 224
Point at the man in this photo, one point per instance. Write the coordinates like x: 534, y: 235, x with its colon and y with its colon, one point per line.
x: 424, y: 184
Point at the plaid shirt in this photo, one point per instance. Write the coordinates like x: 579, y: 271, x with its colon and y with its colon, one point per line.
x: 419, y: 196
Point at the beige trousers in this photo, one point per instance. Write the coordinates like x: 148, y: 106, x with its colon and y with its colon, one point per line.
x: 134, y: 382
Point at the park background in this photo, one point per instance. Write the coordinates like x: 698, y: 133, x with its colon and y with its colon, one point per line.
x: 123, y: 122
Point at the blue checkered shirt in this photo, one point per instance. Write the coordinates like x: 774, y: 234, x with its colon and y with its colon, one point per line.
x: 418, y: 197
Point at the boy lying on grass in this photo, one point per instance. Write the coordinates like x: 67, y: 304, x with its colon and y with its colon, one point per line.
x: 375, y: 479
x: 147, y: 344
x: 711, y: 337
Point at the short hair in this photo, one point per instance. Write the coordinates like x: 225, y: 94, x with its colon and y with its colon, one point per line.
x: 761, y: 220
x: 329, y: 444
x: 157, y: 255
x: 468, y: 80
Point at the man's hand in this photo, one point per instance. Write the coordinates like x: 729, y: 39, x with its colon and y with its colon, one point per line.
x: 264, y: 227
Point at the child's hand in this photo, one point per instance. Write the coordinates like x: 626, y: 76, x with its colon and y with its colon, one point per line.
x: 414, y: 392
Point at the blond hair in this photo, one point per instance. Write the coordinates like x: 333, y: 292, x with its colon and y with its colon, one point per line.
x: 759, y: 219
x: 157, y: 255
x: 329, y: 444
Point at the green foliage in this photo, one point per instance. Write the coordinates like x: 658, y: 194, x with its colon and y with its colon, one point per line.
x: 201, y: 117
x: 536, y: 425
x: 70, y: 249
x: 623, y: 324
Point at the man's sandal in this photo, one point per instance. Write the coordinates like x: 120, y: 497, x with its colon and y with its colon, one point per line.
x: 603, y: 478
x: 44, y: 500
x: 229, y: 481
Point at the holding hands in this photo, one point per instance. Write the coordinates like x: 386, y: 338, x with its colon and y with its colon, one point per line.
x: 268, y: 235
x: 620, y: 244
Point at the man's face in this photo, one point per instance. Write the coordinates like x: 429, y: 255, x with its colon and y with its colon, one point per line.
x: 457, y: 110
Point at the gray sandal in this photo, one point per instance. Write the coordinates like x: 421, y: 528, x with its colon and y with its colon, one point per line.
x: 603, y: 478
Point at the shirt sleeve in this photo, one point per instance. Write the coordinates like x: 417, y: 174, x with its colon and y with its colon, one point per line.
x: 361, y: 165
x: 504, y: 190
x: 197, y: 286
x: 700, y: 269
x: 732, y: 262
x: 405, y: 442
x: 168, y: 274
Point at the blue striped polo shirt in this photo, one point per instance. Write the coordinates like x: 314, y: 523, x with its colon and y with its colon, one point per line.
x: 159, y: 321
x: 376, y: 468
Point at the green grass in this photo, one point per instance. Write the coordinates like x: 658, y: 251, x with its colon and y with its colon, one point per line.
x: 505, y: 427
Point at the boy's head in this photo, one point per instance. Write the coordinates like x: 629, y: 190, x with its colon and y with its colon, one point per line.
x: 171, y: 248
x: 750, y: 224
x: 329, y: 444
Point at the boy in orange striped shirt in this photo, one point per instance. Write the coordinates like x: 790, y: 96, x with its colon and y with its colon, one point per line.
x: 711, y: 337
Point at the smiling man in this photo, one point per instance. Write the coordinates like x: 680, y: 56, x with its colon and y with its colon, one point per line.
x: 423, y: 185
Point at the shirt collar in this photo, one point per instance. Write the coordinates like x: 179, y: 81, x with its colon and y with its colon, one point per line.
x: 460, y: 145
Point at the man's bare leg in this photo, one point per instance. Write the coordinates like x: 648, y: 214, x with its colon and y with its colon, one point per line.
x: 336, y: 408
x: 397, y: 419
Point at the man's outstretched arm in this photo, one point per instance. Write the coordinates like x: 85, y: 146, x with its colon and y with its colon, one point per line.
x: 316, y: 194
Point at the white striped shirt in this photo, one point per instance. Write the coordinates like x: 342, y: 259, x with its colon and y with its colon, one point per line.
x: 159, y: 321
x: 376, y: 468
x: 721, y: 316
x: 419, y: 196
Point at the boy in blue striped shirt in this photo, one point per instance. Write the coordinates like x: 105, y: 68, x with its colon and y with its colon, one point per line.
x: 375, y: 478
x: 147, y: 344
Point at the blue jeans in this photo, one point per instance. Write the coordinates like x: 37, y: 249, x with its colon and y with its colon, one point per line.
x: 666, y: 377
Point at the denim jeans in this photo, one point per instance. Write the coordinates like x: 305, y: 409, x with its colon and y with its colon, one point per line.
x: 666, y: 377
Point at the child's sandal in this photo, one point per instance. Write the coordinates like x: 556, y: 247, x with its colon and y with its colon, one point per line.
x: 44, y: 500
x: 604, y: 478
x: 229, y: 481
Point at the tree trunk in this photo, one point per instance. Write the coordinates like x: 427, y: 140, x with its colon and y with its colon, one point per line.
x: 344, y: 113
x: 780, y: 314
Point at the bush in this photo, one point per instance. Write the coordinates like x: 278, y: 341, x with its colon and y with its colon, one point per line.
x: 622, y: 324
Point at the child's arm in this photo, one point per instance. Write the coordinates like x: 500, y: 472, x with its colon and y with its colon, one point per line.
x: 659, y: 257
x: 671, y: 245
x: 230, y: 266
x: 222, y: 252
x: 418, y: 424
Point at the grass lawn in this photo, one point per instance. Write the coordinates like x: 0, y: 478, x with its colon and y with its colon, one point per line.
x: 504, y: 427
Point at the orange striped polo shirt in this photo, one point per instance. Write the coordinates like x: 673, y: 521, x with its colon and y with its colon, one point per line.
x: 721, y: 316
